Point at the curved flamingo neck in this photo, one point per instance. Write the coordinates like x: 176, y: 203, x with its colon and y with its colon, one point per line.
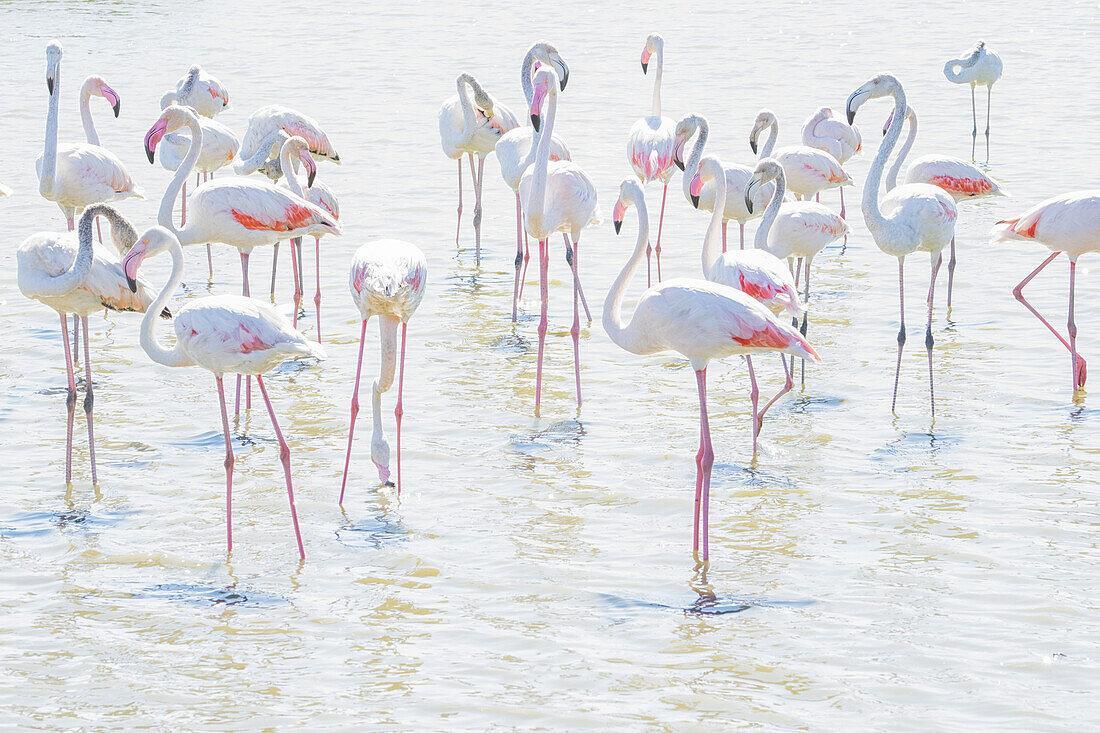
x: 712, y: 242
x: 525, y: 75
x: 77, y: 272
x: 536, y: 202
x: 469, y: 118
x: 770, y: 213
x: 658, y: 74
x: 696, y: 153
x: 612, y: 306
x: 288, y: 171
x: 895, y: 168
x: 173, y: 357
x: 167, y: 203
x: 872, y: 215
x: 86, y: 113
x: 769, y: 145
x: 809, y: 133
x: 49, y: 155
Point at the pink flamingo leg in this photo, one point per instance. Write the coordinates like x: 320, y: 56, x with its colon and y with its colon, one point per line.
x: 399, y: 411
x: 458, y: 229
x: 89, y: 400
x: 950, y: 272
x: 1080, y: 371
x: 228, y: 465
x: 787, y: 385
x: 354, y: 410
x: 724, y: 223
x: 284, y: 457
x: 805, y: 318
x: 317, y: 297
x: 928, y: 340
x: 519, y: 258
x: 575, y: 330
x: 301, y: 279
x: 571, y: 250
x: 843, y: 211
x: 70, y: 401
x: 209, y: 255
x: 544, y: 264
x: 297, y: 290
x: 526, y: 259
x: 477, y: 204
x: 248, y: 382
x: 660, y: 225
x: 742, y: 235
x: 1071, y: 325
x: 706, y: 460
x: 901, y: 331
x: 76, y: 340
x: 473, y: 179
x: 754, y: 395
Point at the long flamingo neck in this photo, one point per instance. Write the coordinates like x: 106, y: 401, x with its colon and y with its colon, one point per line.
x: 612, y: 305
x: 696, y: 154
x: 77, y: 273
x: 86, y: 115
x: 525, y: 76
x: 872, y: 215
x: 895, y: 167
x: 387, y: 327
x: 167, y: 203
x: 469, y: 119
x: 658, y: 73
x: 288, y: 171
x: 770, y: 213
x: 769, y: 145
x: 536, y: 203
x: 49, y: 156
x: 712, y: 243
x: 169, y: 357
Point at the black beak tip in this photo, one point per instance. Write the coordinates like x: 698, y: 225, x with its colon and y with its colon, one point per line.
x: 132, y: 283
x: 117, y: 107
x: 645, y: 68
x: 748, y: 204
x: 149, y: 153
x: 679, y: 163
x: 618, y: 225
x: 752, y: 144
x: 536, y: 122
x: 312, y: 176
x: 851, y: 116
x: 564, y: 81
x: 695, y: 201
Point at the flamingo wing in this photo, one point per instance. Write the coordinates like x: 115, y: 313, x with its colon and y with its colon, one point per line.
x: 650, y: 147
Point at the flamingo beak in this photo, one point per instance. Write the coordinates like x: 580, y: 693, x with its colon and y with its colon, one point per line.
x: 618, y: 214
x: 752, y: 142
x: 564, y: 75
x: 696, y: 189
x: 645, y: 61
x: 131, y: 263
x: 154, y: 136
x: 536, y: 122
x: 112, y: 96
x: 49, y: 83
x: 311, y: 167
x: 750, y: 191
x: 618, y: 225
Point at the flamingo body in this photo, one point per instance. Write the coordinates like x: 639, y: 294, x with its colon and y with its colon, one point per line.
x: 570, y: 201
x: 810, y: 171
x: 512, y: 150
x: 650, y: 148
x: 1067, y: 223
x: 922, y: 218
x: 804, y: 228
x: 961, y: 179
x: 88, y: 174
x: 219, y: 146
x: 836, y: 137
x: 481, y: 139
x: 200, y: 91
x: 979, y: 66
x: 267, y: 120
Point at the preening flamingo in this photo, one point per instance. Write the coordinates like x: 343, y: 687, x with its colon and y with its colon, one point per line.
x: 737, y: 177
x: 516, y: 151
x: 913, y: 217
x: 1068, y: 223
x: 199, y: 91
x: 979, y: 65
x: 222, y: 333
x: 963, y: 180
x: 388, y: 279
x: 471, y: 123
x: 557, y: 197
x: 809, y: 171
x: 701, y: 320
x: 755, y: 272
x: 835, y: 137
x: 81, y: 279
x: 651, y: 140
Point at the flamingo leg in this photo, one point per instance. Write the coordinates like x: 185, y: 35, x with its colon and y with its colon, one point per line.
x: 89, y: 400
x: 317, y: 297
x: 951, y: 272
x: 806, y: 317
x: 519, y: 257
x: 1071, y: 329
x: 843, y: 211
x: 274, y: 269
x: 297, y: 290
x: 786, y: 388
x: 928, y: 340
x: 706, y: 460
x: 901, y: 331
x: 575, y: 330
x: 209, y: 255
x: 754, y: 395
x: 458, y: 229
x: 354, y: 410
x: 660, y: 225
x: 76, y: 340
x: 742, y: 235
x: 70, y: 401
x: 526, y: 259
x: 248, y: 382
x: 724, y: 222
x: 974, y: 113
x: 1079, y: 370
x: 301, y: 267
x: 817, y: 197
x: 544, y: 264
x: 399, y: 410
x: 571, y: 251
x: 284, y: 457
x: 478, y: 178
x: 228, y: 466
x: 988, y: 102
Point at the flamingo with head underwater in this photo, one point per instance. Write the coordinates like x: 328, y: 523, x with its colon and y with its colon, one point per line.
x: 701, y: 320
x: 977, y: 66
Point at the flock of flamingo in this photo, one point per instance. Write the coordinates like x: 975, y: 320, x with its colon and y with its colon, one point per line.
x: 742, y: 304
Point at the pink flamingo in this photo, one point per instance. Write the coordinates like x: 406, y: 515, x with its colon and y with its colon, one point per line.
x: 516, y: 151
x: 836, y: 137
x: 911, y: 218
x: 222, y: 333
x: 555, y: 198
x: 962, y: 180
x: 241, y: 212
x: 316, y: 193
x: 81, y: 279
x: 1068, y: 223
x: 652, y: 139
x: 199, y: 91
x: 388, y: 278
x: 737, y: 177
x: 809, y: 171
x: 470, y: 123
x: 702, y: 321
x: 755, y: 272
x: 979, y: 65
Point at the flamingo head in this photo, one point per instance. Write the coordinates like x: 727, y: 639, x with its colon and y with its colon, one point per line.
x: 95, y: 86
x: 879, y: 86
x: 170, y: 120
x: 630, y: 193
x: 766, y: 170
x: 544, y: 53
x: 654, y: 44
x: 53, y: 65
x: 685, y: 128
x: 152, y: 242
x: 544, y: 82
x: 764, y: 120
x: 301, y: 147
x: 709, y: 169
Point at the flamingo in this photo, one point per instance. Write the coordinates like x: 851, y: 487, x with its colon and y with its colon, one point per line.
x: 651, y: 141
x: 979, y: 65
x: 81, y: 279
x: 388, y: 279
x: 913, y: 217
x: 222, y: 333
x: 555, y: 198
x: 962, y: 180
x: 316, y: 193
x: 809, y: 171
x: 1068, y: 223
x: 516, y: 151
x: 755, y: 272
x: 199, y: 91
x: 470, y: 123
x: 702, y: 321
x: 240, y: 212
x: 737, y: 176
x: 836, y: 137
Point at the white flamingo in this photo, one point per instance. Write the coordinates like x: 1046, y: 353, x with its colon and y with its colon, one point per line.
x: 222, y: 333
x: 557, y: 197
x: 516, y: 151
x: 701, y: 320
x: 471, y: 123
x: 836, y: 137
x: 963, y: 180
x: 651, y: 140
x: 388, y: 278
x: 979, y: 65
x: 80, y: 279
x: 199, y: 91
x: 809, y: 171
x: 914, y: 217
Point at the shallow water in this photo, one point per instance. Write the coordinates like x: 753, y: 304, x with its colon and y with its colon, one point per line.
x: 867, y: 571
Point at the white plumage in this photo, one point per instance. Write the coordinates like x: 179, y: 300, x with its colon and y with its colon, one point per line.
x: 200, y: 91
